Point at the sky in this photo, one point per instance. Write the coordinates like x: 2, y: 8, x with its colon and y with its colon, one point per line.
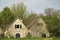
x: 37, y: 6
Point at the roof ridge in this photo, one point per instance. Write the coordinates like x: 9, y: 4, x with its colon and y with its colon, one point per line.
x: 34, y: 22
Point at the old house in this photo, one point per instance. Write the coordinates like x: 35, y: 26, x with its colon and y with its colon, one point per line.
x: 17, y: 29
x: 38, y: 28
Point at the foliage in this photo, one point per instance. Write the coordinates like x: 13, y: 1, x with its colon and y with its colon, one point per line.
x: 52, y: 21
x: 6, y: 17
x: 19, y: 10
x: 30, y: 38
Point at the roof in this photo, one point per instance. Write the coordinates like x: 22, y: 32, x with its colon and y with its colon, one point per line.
x: 33, y: 21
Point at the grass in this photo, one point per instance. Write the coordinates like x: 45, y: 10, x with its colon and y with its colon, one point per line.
x: 35, y: 38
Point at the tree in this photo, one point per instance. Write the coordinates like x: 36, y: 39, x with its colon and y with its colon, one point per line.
x: 52, y: 21
x: 19, y: 10
x: 6, y: 17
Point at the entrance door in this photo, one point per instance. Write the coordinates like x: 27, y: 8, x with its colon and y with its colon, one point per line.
x: 17, y: 35
x: 43, y: 35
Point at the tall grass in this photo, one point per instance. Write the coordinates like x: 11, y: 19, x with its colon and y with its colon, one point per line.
x: 31, y: 38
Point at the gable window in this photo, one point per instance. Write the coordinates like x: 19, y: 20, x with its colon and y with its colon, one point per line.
x: 16, y: 26
x: 39, y: 24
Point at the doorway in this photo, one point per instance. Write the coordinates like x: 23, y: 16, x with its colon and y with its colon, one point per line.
x: 43, y: 35
x: 17, y: 35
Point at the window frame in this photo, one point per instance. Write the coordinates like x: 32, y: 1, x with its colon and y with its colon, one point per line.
x: 17, y: 26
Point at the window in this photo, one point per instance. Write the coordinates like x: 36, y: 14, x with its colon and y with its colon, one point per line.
x: 43, y: 35
x: 29, y: 28
x: 20, y: 26
x: 39, y: 24
x: 29, y: 35
x: 16, y: 26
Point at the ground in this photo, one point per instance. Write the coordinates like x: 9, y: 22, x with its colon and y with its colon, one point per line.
x: 30, y: 38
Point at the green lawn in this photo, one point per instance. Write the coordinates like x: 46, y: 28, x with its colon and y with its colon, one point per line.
x: 29, y: 38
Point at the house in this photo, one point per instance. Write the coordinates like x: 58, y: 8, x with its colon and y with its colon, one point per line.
x: 16, y: 29
x: 37, y: 28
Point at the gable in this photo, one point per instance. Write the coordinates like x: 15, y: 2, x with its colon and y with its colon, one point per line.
x: 37, y: 22
x: 17, y: 23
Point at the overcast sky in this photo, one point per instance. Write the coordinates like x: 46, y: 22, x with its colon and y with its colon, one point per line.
x: 37, y: 6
